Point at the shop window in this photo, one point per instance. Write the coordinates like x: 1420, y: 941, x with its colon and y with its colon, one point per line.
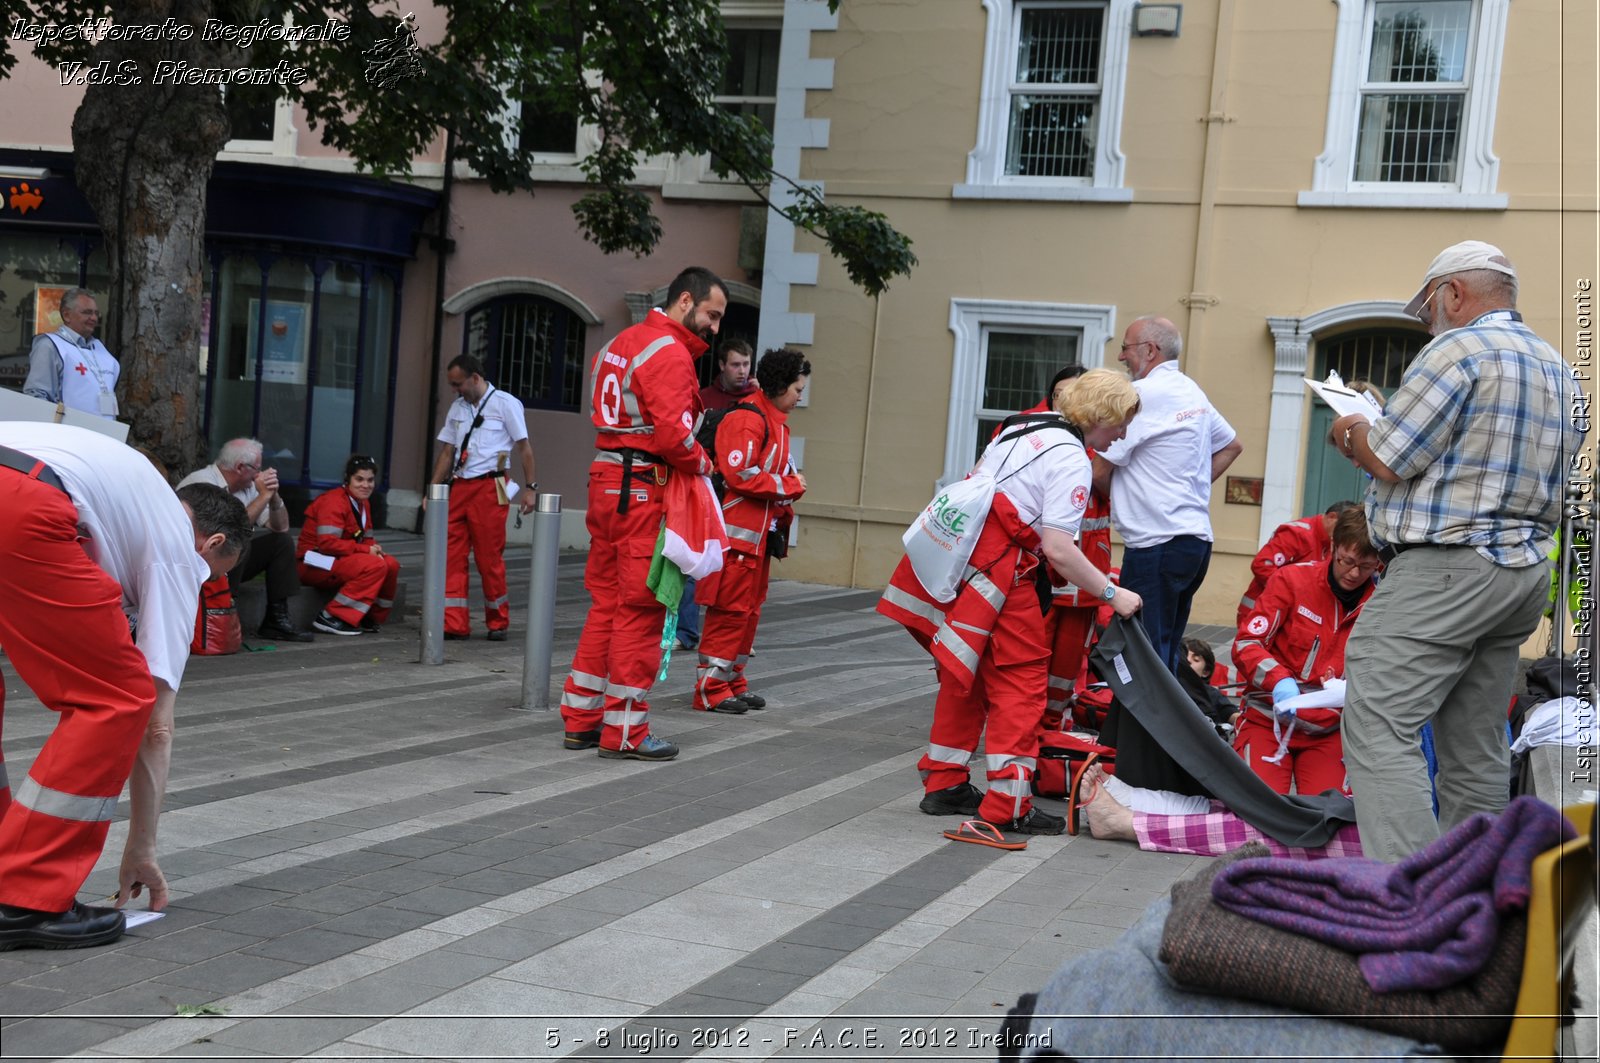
x: 531, y: 347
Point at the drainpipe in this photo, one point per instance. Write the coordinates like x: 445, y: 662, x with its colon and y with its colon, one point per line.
x: 442, y: 247
x: 1199, y: 299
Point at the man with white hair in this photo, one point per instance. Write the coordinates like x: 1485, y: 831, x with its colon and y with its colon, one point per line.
x: 1468, y: 462
x: 69, y: 365
x: 238, y: 471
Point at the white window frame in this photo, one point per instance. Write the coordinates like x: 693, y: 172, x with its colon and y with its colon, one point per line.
x: 284, y: 138
x: 1478, y: 170
x: 691, y: 177
x: 970, y: 319
x: 986, y: 163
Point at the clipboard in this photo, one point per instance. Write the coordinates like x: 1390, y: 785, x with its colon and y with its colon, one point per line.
x: 1344, y: 401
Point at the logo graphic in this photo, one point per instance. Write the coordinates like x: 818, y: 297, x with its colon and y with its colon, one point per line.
x: 24, y: 198
x: 1257, y: 625
x: 952, y: 519
x: 394, y: 59
x: 1080, y: 497
x: 1278, y: 559
x: 688, y: 419
x: 736, y: 459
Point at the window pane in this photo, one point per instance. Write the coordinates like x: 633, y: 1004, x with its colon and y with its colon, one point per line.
x: 532, y: 348
x: 548, y: 130
x: 1409, y: 138
x: 333, y: 407
x: 252, y: 110
x: 1059, y: 46
x: 375, y: 370
x: 1419, y: 40
x: 1019, y: 367
x: 1052, y: 136
x: 1379, y: 356
x: 752, y: 68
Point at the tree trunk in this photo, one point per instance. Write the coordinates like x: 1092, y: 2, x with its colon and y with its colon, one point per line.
x: 143, y: 154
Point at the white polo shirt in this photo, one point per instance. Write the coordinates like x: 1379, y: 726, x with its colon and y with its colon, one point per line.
x: 1046, y: 474
x: 1162, y: 487
x: 505, y: 423
x: 139, y: 533
x: 212, y: 475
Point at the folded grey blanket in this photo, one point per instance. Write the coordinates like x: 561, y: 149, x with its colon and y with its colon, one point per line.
x: 1214, y: 950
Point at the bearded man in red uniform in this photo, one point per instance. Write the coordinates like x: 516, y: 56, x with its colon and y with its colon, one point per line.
x: 646, y: 401
x: 753, y: 457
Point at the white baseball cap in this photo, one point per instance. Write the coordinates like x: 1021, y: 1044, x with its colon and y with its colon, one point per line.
x: 1458, y: 258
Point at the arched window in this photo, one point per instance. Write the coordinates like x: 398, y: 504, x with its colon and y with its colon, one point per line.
x: 531, y: 347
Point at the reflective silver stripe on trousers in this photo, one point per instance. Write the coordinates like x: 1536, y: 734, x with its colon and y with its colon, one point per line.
x: 455, y: 603
x: 500, y: 602
x: 64, y: 805
x: 986, y: 587
x: 998, y: 762
x: 351, y: 603
x: 622, y: 693
x: 962, y: 652
x: 591, y: 702
x: 949, y: 754
x: 715, y: 668
x: 740, y: 661
x: 385, y: 603
x: 587, y: 681
x: 745, y: 536
x: 912, y: 604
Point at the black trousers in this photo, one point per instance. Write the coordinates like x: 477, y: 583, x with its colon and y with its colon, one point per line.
x: 273, y: 553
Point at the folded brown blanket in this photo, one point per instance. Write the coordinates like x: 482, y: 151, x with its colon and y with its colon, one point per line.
x: 1210, y: 949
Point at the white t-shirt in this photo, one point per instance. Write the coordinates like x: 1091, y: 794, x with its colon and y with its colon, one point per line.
x: 1162, y: 487
x: 1045, y: 473
x: 505, y: 422
x: 139, y: 533
x: 210, y: 474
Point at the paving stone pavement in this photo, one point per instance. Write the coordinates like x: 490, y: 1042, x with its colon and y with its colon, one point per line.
x: 374, y: 858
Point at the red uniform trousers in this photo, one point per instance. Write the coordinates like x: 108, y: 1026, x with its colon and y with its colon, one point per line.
x: 62, y: 627
x: 1314, y: 762
x: 1004, y: 705
x: 733, y: 598
x: 1069, y: 629
x: 619, y: 651
x: 477, y: 522
x: 365, y: 585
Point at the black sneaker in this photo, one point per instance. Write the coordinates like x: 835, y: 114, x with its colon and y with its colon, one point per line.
x: 497, y: 634
x: 732, y: 706
x: 1036, y: 821
x: 960, y: 800
x: 755, y: 701
x: 370, y: 626
x: 451, y: 636
x: 326, y: 621
x: 581, y: 739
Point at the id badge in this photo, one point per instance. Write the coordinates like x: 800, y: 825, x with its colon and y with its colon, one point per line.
x: 108, y: 404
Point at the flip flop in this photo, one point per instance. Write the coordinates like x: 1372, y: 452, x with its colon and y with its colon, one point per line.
x: 982, y: 832
x: 1075, y: 802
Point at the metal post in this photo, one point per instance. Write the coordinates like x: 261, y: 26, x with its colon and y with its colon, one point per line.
x: 435, y: 534
x: 541, y: 603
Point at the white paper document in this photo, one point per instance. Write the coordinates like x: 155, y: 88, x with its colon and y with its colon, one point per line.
x: 1344, y: 401
x: 141, y: 918
x: 319, y: 560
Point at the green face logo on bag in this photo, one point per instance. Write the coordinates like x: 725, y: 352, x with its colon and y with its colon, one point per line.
x: 952, y: 519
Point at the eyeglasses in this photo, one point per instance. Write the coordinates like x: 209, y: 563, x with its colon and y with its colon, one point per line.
x: 1425, y: 311
x: 1366, y: 568
x: 249, y: 466
x: 1141, y: 343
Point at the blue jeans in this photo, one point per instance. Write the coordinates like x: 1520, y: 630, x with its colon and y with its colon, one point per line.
x: 688, y: 618
x: 1166, y: 576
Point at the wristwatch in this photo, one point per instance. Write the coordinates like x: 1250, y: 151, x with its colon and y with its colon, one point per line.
x: 534, y: 486
x: 1109, y: 593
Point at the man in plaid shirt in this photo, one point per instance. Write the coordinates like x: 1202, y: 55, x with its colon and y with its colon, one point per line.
x: 1468, y: 462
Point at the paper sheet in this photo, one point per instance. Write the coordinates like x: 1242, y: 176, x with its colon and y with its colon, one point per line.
x: 1344, y: 401
x: 319, y: 560
x: 141, y: 918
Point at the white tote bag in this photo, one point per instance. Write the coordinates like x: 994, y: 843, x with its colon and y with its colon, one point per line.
x: 939, y: 542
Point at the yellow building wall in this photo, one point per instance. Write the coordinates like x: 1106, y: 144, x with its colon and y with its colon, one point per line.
x: 1213, y: 215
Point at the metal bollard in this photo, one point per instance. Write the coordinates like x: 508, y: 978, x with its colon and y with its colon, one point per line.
x: 541, y: 603
x: 435, y: 535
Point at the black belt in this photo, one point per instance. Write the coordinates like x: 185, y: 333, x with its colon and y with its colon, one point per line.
x: 1394, y: 550
x: 483, y: 476
x: 629, y: 457
x: 31, y: 467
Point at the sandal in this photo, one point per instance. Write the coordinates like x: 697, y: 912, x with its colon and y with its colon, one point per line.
x: 982, y: 832
x: 1074, y: 802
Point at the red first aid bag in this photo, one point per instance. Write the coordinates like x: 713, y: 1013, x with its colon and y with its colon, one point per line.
x: 216, y: 625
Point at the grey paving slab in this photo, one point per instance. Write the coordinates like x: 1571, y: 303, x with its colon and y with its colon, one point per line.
x: 233, y: 899
x: 383, y: 995
x: 231, y: 973
x: 312, y: 945
x: 376, y: 921
x: 507, y: 943
x: 288, y: 1037
x: 335, y: 900
x: 50, y: 1038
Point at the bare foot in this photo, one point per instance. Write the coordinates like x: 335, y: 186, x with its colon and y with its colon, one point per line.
x: 1108, y: 818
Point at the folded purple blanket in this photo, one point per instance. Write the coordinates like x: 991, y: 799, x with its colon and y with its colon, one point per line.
x: 1429, y: 921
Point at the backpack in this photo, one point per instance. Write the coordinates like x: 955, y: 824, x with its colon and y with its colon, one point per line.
x: 216, y: 623
x: 706, y: 436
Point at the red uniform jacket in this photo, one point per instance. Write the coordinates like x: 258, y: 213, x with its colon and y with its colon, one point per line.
x: 645, y: 394
x: 1297, y: 630
x: 753, y: 457
x: 334, y: 528
x: 957, y: 632
x: 1295, y: 541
